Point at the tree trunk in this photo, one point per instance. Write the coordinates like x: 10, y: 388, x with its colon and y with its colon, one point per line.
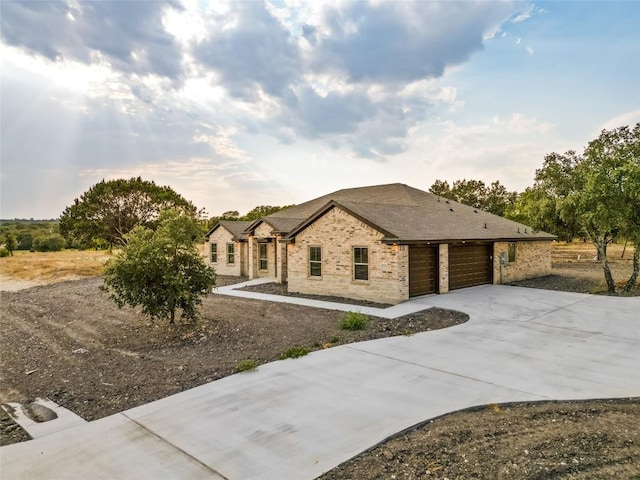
x: 602, y: 256
x: 624, y: 249
x: 173, y: 316
x: 636, y: 269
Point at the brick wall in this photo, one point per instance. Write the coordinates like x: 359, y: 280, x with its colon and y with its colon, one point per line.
x: 533, y: 259
x: 337, y: 233
x: 222, y: 237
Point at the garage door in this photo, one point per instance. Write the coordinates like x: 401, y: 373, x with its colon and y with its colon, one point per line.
x: 470, y: 265
x: 423, y: 270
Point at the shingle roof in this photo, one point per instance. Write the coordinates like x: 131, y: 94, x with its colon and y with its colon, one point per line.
x: 405, y: 213
x: 236, y: 227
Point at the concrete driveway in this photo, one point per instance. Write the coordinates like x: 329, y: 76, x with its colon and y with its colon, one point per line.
x: 296, y: 419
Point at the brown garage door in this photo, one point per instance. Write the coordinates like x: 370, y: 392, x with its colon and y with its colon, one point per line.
x: 423, y: 270
x: 470, y: 265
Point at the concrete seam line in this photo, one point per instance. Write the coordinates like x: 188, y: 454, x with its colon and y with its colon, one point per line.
x: 445, y: 371
x: 184, y: 452
x: 563, y: 307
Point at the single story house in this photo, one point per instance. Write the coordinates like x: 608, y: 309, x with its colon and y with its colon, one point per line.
x: 387, y: 243
x: 226, y: 248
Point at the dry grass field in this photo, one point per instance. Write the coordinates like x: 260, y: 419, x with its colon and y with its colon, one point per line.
x: 26, y: 269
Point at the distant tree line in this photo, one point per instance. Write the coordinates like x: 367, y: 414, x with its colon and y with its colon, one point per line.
x: 36, y: 235
x: 255, y: 214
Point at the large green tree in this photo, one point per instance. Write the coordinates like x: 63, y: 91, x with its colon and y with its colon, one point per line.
x: 543, y: 206
x: 161, y: 270
x: 606, y: 194
x: 595, y: 194
x: 494, y: 198
x: 104, y: 214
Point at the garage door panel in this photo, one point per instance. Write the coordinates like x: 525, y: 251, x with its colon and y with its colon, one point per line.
x: 470, y: 265
x: 423, y: 270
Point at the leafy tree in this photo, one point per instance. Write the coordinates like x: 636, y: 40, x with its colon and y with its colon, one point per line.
x: 10, y: 242
x: 48, y: 243
x: 262, y: 211
x: 606, y: 197
x: 542, y: 206
x: 230, y: 215
x: 441, y: 188
x: 110, y: 209
x: 475, y: 193
x: 25, y: 241
x: 596, y: 194
x: 161, y: 270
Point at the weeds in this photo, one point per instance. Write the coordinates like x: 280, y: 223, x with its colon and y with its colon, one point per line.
x: 354, y: 321
x: 246, y: 365
x: 294, y: 352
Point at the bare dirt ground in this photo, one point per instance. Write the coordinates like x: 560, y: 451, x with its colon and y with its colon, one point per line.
x: 576, y: 269
x: 68, y: 342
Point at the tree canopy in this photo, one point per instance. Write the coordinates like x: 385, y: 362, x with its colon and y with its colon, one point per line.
x: 161, y: 270
x: 254, y: 214
x: 542, y: 205
x: 104, y: 214
x: 605, y: 199
x: 595, y: 194
x: 493, y: 199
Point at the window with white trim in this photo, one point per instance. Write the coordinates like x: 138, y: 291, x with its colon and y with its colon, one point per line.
x: 360, y: 263
x: 231, y: 253
x: 315, y: 261
x: 214, y: 253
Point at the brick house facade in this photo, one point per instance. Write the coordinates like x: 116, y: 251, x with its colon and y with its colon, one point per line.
x: 388, y: 243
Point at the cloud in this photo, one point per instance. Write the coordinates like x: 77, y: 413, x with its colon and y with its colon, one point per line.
x: 128, y: 35
x: 402, y: 42
x: 249, y: 49
x: 628, y: 118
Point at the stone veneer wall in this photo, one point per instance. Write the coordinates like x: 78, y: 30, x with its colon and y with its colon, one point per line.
x: 533, y: 259
x: 337, y: 232
x: 222, y: 236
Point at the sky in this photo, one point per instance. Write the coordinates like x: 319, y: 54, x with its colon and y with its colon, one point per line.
x: 245, y: 103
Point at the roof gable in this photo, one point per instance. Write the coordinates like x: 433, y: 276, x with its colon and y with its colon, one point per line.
x: 235, y: 227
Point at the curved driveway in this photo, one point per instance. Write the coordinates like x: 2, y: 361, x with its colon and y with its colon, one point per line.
x: 296, y: 419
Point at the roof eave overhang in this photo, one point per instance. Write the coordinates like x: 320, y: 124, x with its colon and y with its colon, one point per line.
x: 406, y: 241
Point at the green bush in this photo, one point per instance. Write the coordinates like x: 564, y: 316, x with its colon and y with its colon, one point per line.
x: 49, y: 243
x: 25, y: 241
x: 354, y: 321
x: 246, y: 365
x: 4, y: 252
x: 294, y: 352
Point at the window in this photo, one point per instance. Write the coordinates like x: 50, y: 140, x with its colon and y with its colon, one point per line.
x: 262, y: 256
x: 511, y: 256
x: 231, y: 257
x: 360, y: 263
x: 315, y: 261
x: 214, y: 252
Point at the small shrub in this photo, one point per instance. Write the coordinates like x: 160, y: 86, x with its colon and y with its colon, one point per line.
x: 246, y: 365
x: 4, y: 252
x: 354, y: 321
x: 294, y: 352
x: 334, y: 339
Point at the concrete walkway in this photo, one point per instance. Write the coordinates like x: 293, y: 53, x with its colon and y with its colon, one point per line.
x: 394, y: 311
x: 296, y: 419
